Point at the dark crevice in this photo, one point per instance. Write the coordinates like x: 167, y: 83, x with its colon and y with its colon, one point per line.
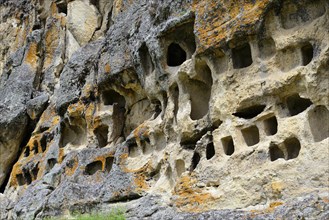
x: 195, y: 161
x: 210, y: 151
x: 28, y: 133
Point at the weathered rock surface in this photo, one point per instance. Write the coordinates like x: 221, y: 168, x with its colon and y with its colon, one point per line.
x: 169, y: 109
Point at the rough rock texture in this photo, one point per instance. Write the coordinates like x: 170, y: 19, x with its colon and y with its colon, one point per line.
x: 170, y: 109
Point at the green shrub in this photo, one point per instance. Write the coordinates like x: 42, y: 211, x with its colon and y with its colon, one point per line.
x: 114, y: 214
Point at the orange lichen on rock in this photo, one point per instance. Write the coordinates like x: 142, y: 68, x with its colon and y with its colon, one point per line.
x: 76, y: 110
x: 31, y: 55
x: 217, y: 22
x: 272, y: 206
x: 140, y: 182
x: 107, y: 68
x: 51, y: 43
x: 103, y: 158
x: 190, y: 198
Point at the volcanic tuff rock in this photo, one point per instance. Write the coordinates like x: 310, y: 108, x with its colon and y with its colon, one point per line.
x: 170, y: 109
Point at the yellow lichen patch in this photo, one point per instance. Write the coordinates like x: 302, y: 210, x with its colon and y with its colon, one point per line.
x: 190, y: 198
x: 76, y: 110
x: 49, y: 115
x: 140, y: 182
x: 89, y: 116
x: 31, y: 55
x: 53, y: 8
x: 63, y: 21
x: 51, y: 43
x: 326, y: 199
x: 61, y: 155
x: 71, y: 167
x: 216, y: 22
x: 277, y: 187
x: 13, y: 176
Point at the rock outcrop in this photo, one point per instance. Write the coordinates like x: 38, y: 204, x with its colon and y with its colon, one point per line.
x: 171, y: 109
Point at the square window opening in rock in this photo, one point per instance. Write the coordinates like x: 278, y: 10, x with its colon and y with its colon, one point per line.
x: 251, y: 135
x: 93, y: 167
x: 242, y: 56
x: 293, y: 147
x: 228, y: 145
x: 271, y: 126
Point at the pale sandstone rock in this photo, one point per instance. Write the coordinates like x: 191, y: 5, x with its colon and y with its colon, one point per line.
x: 181, y: 111
x: 82, y: 20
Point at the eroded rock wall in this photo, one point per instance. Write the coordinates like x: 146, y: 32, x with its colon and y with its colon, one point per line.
x: 168, y: 107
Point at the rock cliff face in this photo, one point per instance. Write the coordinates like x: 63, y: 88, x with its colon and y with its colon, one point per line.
x: 179, y: 109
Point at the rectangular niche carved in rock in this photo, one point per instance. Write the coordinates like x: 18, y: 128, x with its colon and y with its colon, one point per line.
x: 271, y: 126
x: 292, y: 146
x: 228, y: 145
x: 93, y: 167
x: 242, y: 56
x: 318, y: 119
x: 307, y: 54
x: 251, y: 135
